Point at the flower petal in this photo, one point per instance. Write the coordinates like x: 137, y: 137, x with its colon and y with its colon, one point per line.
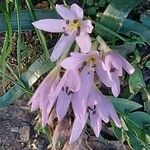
x: 62, y: 105
x: 77, y: 128
x: 71, y: 63
x: 64, y: 12
x: 59, y: 86
x: 115, y: 85
x: 42, y: 91
x: 86, y: 26
x: 50, y: 25
x: 103, y: 76
x: 127, y: 66
x: 112, y: 113
x: 84, y: 42
x: 77, y: 11
x: 96, y: 123
x: 62, y: 45
x: 73, y: 80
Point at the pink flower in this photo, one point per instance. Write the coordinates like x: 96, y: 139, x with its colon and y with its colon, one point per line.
x: 41, y: 99
x: 54, y: 90
x: 69, y: 84
x: 97, y: 108
x: 114, y: 65
x: 72, y: 26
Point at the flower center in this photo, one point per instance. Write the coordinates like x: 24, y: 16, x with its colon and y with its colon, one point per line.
x: 75, y: 24
x: 91, y: 60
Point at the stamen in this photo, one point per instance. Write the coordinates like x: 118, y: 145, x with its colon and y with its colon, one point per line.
x: 67, y: 21
x: 89, y: 108
x: 63, y: 89
x: 65, y: 34
x: 75, y: 20
x: 94, y: 112
x: 67, y: 88
x: 112, y: 69
x: 70, y: 92
x: 84, y: 64
x: 78, y: 33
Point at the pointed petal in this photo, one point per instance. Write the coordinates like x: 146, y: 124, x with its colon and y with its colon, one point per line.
x: 71, y: 63
x: 86, y: 26
x: 112, y: 113
x: 73, y: 80
x: 96, y: 123
x: 103, y: 76
x: 59, y: 86
x: 50, y: 25
x: 62, y: 45
x: 128, y: 67
x: 79, y: 56
x: 77, y: 11
x: 62, y: 105
x: 42, y: 90
x: 84, y: 42
x: 77, y: 107
x: 115, y: 85
x: 77, y: 128
x: 64, y: 12
x: 114, y: 59
x: 87, y: 80
x: 93, y: 96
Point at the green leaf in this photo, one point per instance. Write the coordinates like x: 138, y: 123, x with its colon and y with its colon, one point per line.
x: 136, y: 81
x: 141, y: 119
x: 25, y: 19
x: 5, y: 52
x: 34, y: 72
x: 123, y: 105
x: 135, y: 27
x: 115, y: 15
x: 145, y: 19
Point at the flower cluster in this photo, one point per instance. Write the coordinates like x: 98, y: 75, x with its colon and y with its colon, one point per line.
x: 82, y: 71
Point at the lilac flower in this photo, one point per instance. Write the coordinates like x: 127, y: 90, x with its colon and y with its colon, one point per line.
x: 54, y: 90
x: 87, y: 64
x: 40, y: 98
x: 72, y: 26
x: 114, y: 65
x: 69, y: 84
x: 97, y: 108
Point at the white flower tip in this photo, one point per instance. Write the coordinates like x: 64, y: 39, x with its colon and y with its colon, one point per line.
x: 52, y: 58
x: 116, y: 94
x: 34, y: 23
x: 118, y: 124
x: 131, y: 71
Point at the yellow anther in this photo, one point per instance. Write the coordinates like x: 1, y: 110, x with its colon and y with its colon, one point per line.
x: 91, y: 60
x: 75, y: 24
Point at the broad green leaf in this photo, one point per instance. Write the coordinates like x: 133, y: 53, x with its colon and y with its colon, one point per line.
x: 123, y: 105
x: 130, y: 26
x: 25, y: 19
x: 141, y: 119
x: 114, y: 16
x: 34, y: 72
x: 116, y: 13
x: 136, y: 81
x: 145, y: 19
